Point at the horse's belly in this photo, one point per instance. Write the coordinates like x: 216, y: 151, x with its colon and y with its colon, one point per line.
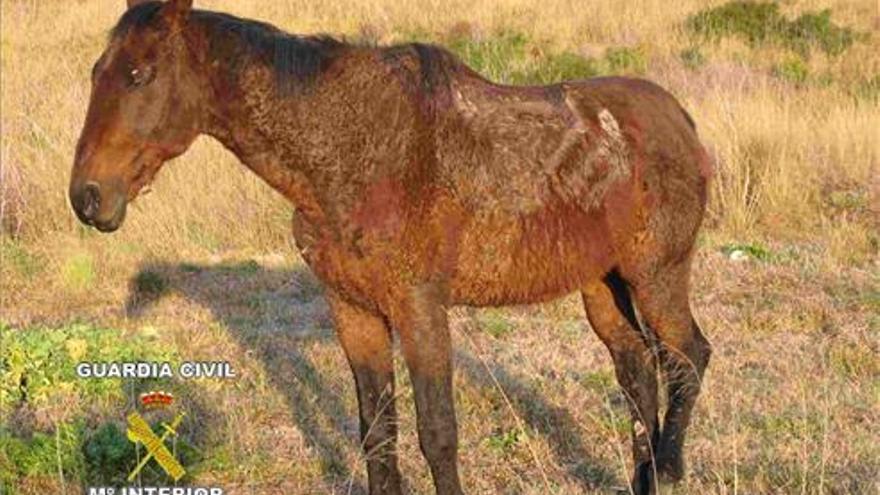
x: 522, y: 259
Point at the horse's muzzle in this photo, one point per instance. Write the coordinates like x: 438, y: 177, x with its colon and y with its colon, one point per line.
x: 87, y: 202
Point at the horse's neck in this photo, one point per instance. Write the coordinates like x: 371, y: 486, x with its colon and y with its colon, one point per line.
x: 235, y: 122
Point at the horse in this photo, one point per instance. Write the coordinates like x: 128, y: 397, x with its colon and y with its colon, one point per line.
x: 420, y: 185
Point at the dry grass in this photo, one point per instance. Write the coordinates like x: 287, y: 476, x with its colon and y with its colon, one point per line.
x: 791, y: 402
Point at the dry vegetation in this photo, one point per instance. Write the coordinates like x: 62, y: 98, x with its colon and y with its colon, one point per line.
x: 204, y: 268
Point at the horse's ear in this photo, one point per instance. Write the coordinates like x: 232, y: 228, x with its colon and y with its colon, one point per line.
x: 176, y: 12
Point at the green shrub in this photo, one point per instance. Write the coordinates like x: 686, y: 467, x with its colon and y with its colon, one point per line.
x: 692, y: 58
x: 38, y: 369
x: 626, y: 60
x: 109, y: 455
x: 749, y: 20
x: 510, y: 57
x: 565, y: 66
x: 505, y: 58
x: 37, y: 365
x: 495, y: 57
x: 506, y: 441
x: 816, y: 29
x: 761, y: 23
x: 42, y: 454
x: 752, y: 250
x: 495, y: 323
x: 793, y: 70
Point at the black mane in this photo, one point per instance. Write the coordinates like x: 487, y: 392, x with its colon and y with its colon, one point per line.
x: 296, y: 60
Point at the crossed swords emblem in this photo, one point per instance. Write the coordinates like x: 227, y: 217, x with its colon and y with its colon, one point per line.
x: 140, y: 432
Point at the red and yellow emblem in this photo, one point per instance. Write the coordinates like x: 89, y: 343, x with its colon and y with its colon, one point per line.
x: 140, y: 432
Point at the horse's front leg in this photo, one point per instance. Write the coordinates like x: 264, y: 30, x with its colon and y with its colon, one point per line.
x: 366, y: 340
x: 420, y: 318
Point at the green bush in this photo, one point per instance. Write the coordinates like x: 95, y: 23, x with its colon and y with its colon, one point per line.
x: 38, y: 365
x: 816, y: 29
x: 692, y: 58
x: 506, y: 441
x: 511, y: 57
x: 42, y: 454
x: 626, y: 60
x: 793, y: 70
x: 565, y: 66
x: 496, y: 323
x: 752, y: 250
x: 495, y: 57
x: 761, y: 23
x: 752, y: 21
x: 109, y: 455
x: 38, y: 369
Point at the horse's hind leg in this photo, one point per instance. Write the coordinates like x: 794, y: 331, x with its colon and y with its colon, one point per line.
x: 610, y: 312
x: 662, y: 299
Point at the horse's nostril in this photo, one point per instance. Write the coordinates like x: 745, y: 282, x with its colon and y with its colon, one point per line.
x: 90, y: 202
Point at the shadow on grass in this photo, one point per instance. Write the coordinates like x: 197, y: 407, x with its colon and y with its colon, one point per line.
x: 273, y: 312
x: 555, y: 423
x: 270, y: 313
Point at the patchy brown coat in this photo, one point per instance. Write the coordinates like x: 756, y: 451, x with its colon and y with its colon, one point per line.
x: 420, y: 185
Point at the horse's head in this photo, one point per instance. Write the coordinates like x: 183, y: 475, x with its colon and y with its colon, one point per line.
x: 145, y: 109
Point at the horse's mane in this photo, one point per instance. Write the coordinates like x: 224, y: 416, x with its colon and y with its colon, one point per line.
x: 296, y: 60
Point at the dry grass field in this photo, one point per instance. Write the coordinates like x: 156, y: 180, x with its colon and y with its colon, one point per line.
x: 787, y: 277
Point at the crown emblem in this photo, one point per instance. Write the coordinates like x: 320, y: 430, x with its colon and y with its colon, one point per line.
x: 156, y: 400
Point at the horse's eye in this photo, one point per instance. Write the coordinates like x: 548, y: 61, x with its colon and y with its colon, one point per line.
x: 138, y: 76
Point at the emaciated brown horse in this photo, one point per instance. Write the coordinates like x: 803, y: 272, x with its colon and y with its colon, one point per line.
x: 420, y: 185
